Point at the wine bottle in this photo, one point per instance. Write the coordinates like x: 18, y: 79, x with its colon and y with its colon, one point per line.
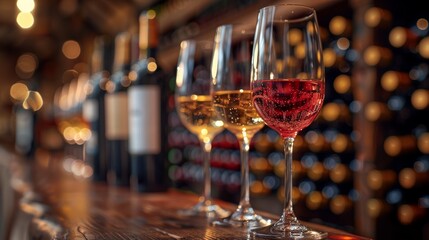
x: 316, y: 201
x: 116, y: 113
x: 340, y: 204
x: 409, y: 178
x: 317, y: 172
x: 380, y: 180
x: 93, y: 107
x: 403, y: 37
x: 25, y: 130
x: 148, y: 101
x: 26, y: 120
x: 377, y: 56
x: 377, y: 208
x: 407, y: 214
x: 377, y: 111
x: 423, y: 143
x: 376, y: 17
x: 392, y: 80
x: 340, y: 173
x: 396, y: 145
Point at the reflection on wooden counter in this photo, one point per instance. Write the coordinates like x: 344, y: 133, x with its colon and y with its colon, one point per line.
x: 58, y: 205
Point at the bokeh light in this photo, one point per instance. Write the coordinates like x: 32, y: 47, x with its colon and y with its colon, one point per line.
x: 71, y: 49
x: 25, y: 20
x: 18, y: 91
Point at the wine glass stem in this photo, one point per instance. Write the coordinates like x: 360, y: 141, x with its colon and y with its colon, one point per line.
x: 207, y: 147
x: 287, y: 207
x: 245, y: 182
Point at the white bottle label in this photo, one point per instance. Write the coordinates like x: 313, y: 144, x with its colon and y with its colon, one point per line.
x: 144, y: 119
x: 90, y: 110
x: 116, y: 116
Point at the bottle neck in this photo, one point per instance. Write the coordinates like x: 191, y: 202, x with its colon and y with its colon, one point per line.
x: 147, y: 53
x: 148, y: 35
x: 122, y: 52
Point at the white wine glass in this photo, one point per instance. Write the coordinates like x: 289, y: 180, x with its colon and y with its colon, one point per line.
x: 195, y: 108
x: 233, y: 103
x: 288, y: 88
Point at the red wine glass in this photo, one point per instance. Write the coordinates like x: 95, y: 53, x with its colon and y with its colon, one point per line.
x: 288, y: 87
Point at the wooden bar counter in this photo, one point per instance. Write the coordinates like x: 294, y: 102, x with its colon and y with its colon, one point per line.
x: 56, y: 204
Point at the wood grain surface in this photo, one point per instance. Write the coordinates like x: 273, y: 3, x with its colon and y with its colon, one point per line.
x: 64, y: 206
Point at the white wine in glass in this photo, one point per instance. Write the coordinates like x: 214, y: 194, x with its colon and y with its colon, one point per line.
x: 232, y: 100
x: 288, y: 87
x: 195, y: 108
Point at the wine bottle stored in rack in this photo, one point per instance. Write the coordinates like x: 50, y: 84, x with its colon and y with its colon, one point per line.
x: 93, y: 107
x: 116, y: 113
x: 148, y: 101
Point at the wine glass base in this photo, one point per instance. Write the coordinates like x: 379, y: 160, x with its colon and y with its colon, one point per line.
x: 255, y: 222
x: 204, y: 209
x: 271, y: 232
x: 243, y: 217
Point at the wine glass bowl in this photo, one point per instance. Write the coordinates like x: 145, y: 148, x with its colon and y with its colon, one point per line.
x: 195, y: 109
x: 288, y: 89
x: 232, y: 101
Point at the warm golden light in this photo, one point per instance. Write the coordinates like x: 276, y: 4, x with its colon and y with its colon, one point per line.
x: 375, y: 111
x: 339, y: 173
x: 151, y: 65
x: 395, y: 145
x: 295, y: 36
x: 33, y: 101
x: 423, y: 143
x: 398, y: 37
x: 18, y: 91
x: 110, y: 86
x: 423, y: 47
x: 375, y: 17
x: 25, y: 5
x: 25, y: 20
x: 343, y: 43
x: 422, y: 24
x: 71, y: 49
x: 132, y: 75
x: 407, y: 178
x: 257, y: 187
x: 389, y: 81
x: 420, y: 99
x: 372, y: 56
x: 314, y: 200
x: 300, y: 51
x: 392, y: 146
x: 406, y: 214
x: 342, y: 83
x: 331, y: 111
x: 374, y: 207
x: 151, y: 14
x: 340, y: 143
x: 329, y: 57
x: 316, y: 171
x: 339, y: 204
x: 26, y: 65
x: 338, y: 25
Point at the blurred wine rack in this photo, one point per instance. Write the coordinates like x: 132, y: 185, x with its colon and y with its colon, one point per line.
x: 364, y: 164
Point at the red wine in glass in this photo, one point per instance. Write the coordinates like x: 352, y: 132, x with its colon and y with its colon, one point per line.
x: 288, y: 105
